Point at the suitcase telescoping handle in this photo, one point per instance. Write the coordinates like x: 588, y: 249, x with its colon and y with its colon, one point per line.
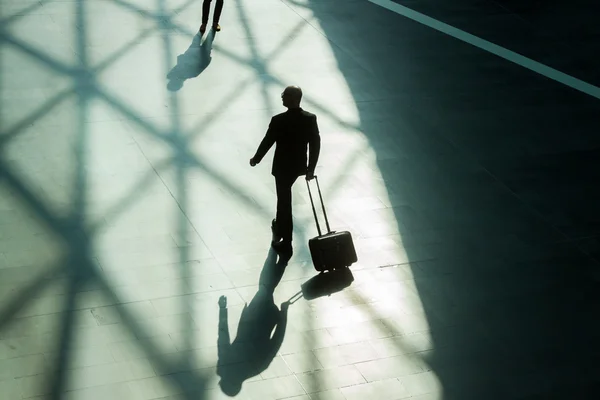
x: 312, y: 203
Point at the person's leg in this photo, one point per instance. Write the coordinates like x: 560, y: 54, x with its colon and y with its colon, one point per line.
x: 284, y: 222
x: 205, y: 14
x: 205, y: 11
x: 217, y: 15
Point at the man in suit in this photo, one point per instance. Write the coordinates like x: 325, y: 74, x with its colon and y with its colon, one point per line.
x: 292, y: 132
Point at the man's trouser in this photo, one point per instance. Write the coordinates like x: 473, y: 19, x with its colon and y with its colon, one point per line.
x: 284, y: 224
x: 206, y: 11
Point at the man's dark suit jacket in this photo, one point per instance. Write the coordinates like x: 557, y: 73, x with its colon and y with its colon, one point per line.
x: 292, y: 132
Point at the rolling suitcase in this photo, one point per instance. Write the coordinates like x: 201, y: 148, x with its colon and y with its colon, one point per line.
x: 333, y: 249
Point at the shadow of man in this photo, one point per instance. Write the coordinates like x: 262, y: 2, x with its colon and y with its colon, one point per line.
x: 254, y: 348
x: 191, y: 63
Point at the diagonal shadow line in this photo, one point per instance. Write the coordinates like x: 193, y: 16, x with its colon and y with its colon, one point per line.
x: 22, y: 14
x: 300, y: 25
x: 169, y: 140
x: 49, y: 61
x: 341, y: 179
x: 191, y: 159
x: 298, y: 4
x: 83, y: 96
x: 182, y: 7
x: 164, y: 20
x: 59, y: 378
x: 232, y: 188
x: 396, y: 333
x: 289, y: 37
x: 191, y: 385
x: 243, y: 85
x: 181, y: 200
x: 331, y: 190
x: 133, y: 116
x: 184, y: 31
x: 46, y: 215
x: 41, y: 112
x: 306, y: 99
x: 123, y: 204
x: 146, y: 126
x: 27, y: 294
x: 212, y: 116
x: 194, y: 132
x: 59, y: 67
x: 79, y: 247
x: 259, y: 63
x: 112, y: 58
x: 135, y: 42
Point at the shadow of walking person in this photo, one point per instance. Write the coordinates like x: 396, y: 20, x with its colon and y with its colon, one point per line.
x: 255, y: 345
x: 191, y: 63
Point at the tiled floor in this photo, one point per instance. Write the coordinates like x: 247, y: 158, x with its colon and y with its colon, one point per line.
x: 128, y: 209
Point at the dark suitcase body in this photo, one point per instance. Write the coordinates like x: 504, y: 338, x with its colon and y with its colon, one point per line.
x: 333, y: 249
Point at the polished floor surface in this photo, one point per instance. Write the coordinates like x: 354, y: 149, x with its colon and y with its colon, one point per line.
x: 134, y: 236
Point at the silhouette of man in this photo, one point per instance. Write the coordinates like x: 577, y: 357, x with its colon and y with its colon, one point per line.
x: 253, y: 343
x: 216, y: 16
x: 191, y: 63
x: 292, y: 132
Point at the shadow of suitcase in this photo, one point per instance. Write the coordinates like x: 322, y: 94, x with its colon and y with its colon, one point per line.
x: 333, y: 249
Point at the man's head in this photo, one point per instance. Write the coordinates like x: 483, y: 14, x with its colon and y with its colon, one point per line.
x: 291, y: 97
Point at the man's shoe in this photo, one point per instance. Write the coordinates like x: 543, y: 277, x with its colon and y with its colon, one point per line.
x: 283, y: 247
x: 202, y: 28
x: 216, y: 27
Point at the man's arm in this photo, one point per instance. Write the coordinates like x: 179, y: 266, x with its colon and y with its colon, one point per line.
x: 223, y: 339
x: 314, y: 149
x: 265, y: 144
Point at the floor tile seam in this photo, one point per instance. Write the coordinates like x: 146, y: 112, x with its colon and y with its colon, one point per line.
x: 114, y: 275
x: 70, y: 367
x: 136, y: 274
x: 384, y: 335
x: 397, y: 378
x: 249, y: 342
x: 255, y: 378
x: 121, y: 380
x: 175, y: 199
x: 368, y: 382
x: 21, y: 376
x: 122, y: 304
x: 308, y: 373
